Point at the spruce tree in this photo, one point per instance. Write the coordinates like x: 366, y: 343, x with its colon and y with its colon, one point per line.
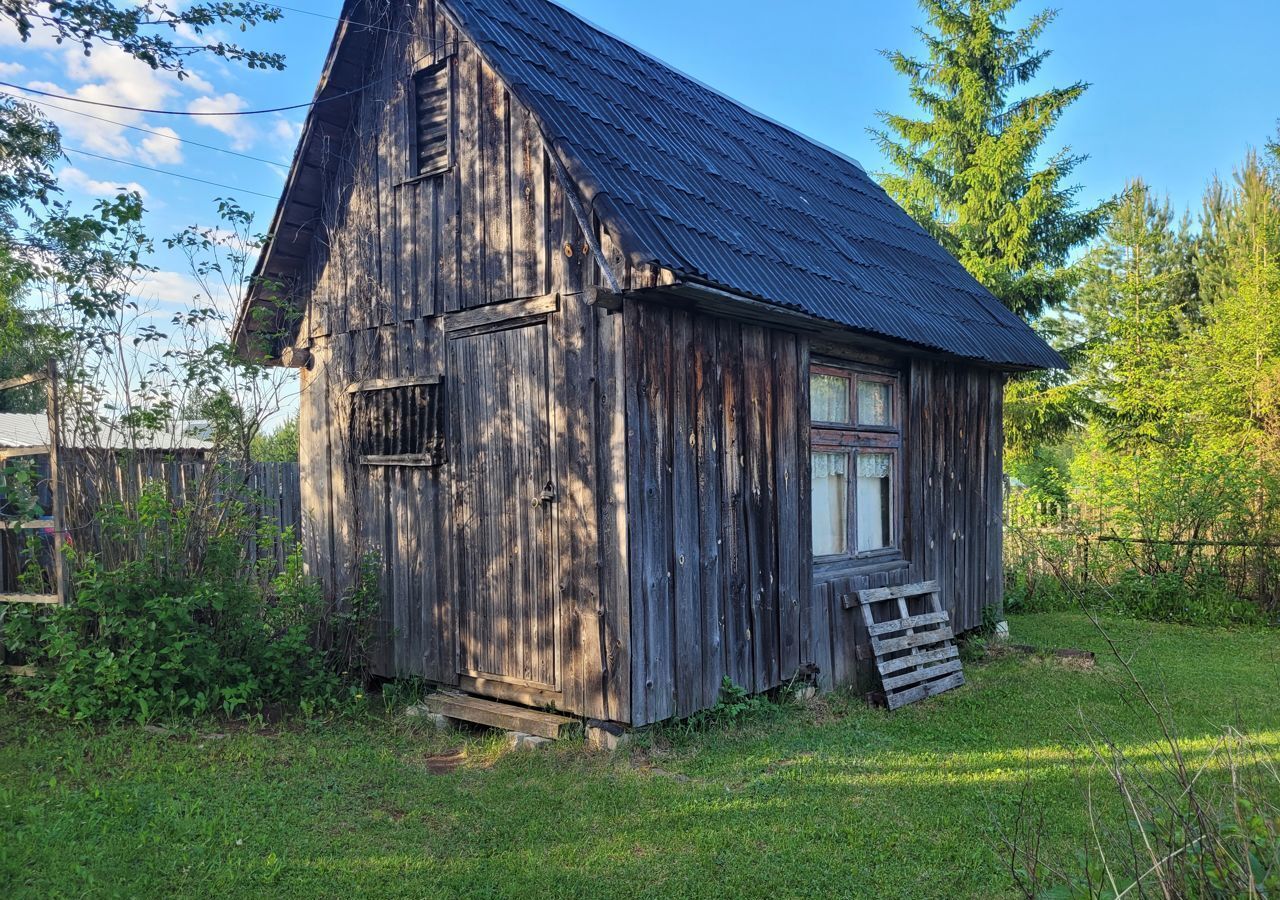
x: 972, y: 169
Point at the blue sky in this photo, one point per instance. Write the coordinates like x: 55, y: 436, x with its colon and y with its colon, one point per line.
x: 1179, y: 90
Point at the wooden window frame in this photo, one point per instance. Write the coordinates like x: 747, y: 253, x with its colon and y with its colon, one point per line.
x: 412, y: 126
x: 853, y: 438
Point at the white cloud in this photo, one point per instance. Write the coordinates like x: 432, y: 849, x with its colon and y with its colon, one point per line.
x: 113, y: 76
x: 162, y: 149
x: 166, y: 290
x: 11, y: 69
x: 241, y: 132
x: 286, y: 132
x: 79, y: 180
x: 41, y: 38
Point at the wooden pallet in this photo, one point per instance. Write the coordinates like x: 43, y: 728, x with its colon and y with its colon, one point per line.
x: 916, y: 655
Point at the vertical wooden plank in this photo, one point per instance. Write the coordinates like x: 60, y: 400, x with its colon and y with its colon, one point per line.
x: 527, y: 256
x: 468, y: 71
x: 649, y: 506
x: 496, y: 169
x: 341, y: 465
x: 685, y: 555
x: 739, y: 656
x: 585, y: 656
x: 314, y: 468
x: 709, y: 396
x: 400, y: 554
x: 57, y: 491
x: 788, y: 532
x: 809, y: 637
x: 615, y: 592
x: 761, y: 547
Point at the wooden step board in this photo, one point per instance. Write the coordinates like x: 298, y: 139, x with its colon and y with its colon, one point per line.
x: 477, y: 710
x: 916, y: 654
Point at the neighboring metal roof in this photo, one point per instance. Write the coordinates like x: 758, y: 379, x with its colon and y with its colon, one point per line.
x: 32, y: 430
x: 713, y: 191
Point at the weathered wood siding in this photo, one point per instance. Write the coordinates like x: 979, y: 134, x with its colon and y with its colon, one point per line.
x: 716, y: 414
x: 397, y: 265
x: 952, y: 443
x: 722, y: 579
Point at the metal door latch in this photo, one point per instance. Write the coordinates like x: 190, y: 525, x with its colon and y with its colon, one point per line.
x: 548, y: 495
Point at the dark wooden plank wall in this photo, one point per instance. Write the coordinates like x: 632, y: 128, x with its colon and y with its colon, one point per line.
x: 954, y: 443
x: 715, y: 487
x: 722, y: 582
x: 953, y: 439
x: 393, y: 259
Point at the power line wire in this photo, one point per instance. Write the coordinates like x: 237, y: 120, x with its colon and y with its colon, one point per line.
x: 171, y: 137
x: 187, y: 112
x: 432, y: 44
x: 125, y: 162
x: 369, y: 25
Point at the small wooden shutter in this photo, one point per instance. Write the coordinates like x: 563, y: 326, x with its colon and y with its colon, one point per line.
x: 398, y: 422
x: 431, y: 102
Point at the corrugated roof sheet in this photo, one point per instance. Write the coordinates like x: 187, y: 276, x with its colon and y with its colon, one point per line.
x: 705, y: 187
x: 32, y: 430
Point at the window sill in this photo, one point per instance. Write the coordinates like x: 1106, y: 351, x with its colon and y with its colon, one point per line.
x: 850, y: 566
x: 424, y: 176
x: 413, y: 459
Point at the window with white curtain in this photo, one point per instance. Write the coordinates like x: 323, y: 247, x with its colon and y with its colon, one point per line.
x: 855, y: 473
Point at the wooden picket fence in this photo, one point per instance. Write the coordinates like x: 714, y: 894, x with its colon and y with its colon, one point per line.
x: 269, y: 491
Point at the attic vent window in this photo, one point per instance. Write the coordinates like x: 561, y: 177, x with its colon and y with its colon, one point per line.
x: 398, y: 421
x: 431, y: 97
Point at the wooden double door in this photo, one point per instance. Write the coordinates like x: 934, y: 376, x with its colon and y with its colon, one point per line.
x: 504, y: 506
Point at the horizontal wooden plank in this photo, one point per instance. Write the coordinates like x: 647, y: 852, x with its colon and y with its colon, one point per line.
x: 925, y: 673
x: 875, y: 595
x: 496, y: 313
x: 513, y: 693
x: 931, y: 689
x: 29, y: 525
x: 892, y: 625
x: 897, y: 664
x: 29, y: 598
x: 499, y: 715
x: 21, y: 671
x: 383, y: 384
x: 22, y: 380
x: 11, y: 452
x: 404, y: 459
x: 882, y: 646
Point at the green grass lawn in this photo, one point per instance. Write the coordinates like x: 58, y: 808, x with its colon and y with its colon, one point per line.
x: 828, y: 799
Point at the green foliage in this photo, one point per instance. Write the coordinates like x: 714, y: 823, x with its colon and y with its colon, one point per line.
x: 1164, y: 489
x: 735, y: 704
x: 1204, y: 599
x: 280, y: 445
x: 970, y: 171
x: 29, y: 147
x: 146, y: 30
x: 157, y: 636
x: 827, y: 799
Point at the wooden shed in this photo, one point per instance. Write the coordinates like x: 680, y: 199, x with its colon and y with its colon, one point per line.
x: 625, y: 387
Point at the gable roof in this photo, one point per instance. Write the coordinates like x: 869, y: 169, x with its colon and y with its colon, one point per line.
x: 695, y: 182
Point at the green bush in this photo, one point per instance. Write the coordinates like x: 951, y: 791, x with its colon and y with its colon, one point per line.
x: 1203, y: 599
x: 153, y: 637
